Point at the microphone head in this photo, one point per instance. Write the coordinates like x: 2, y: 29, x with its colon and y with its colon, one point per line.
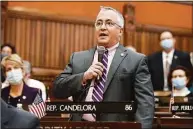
x: 101, y: 50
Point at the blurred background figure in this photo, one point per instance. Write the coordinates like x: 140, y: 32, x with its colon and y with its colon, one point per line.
x: 6, y: 49
x: 191, y: 57
x: 2, y: 73
x: 131, y: 48
x: 181, y: 79
x: 17, y: 93
x: 32, y: 82
x: 161, y: 62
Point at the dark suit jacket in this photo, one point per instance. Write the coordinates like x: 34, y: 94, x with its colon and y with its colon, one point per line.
x: 27, y: 97
x: 128, y: 79
x: 12, y: 117
x: 155, y: 65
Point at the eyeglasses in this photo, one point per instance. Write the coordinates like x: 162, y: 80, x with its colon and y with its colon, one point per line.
x: 108, y: 24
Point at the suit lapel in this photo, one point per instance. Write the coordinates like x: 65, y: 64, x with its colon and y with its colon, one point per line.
x: 160, y: 63
x: 160, y: 70
x: 117, y: 59
x: 89, y: 58
x: 174, y: 60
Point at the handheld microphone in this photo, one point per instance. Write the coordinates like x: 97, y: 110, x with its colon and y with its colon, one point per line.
x: 101, y: 50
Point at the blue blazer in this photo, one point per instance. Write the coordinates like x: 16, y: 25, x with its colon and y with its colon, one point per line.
x: 27, y: 97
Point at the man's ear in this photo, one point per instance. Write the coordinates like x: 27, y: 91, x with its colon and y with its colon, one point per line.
x: 121, y: 32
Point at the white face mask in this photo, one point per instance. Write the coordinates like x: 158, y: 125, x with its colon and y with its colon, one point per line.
x: 15, y: 76
x: 167, y: 44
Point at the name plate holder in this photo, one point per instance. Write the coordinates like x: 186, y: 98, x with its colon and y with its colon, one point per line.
x: 90, y: 107
x: 182, y: 107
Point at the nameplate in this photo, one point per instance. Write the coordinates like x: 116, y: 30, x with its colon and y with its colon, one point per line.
x: 182, y: 107
x: 90, y: 107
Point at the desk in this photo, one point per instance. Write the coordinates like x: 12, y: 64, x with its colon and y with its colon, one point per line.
x: 169, y: 114
x: 53, y: 118
x: 175, y: 123
x: 162, y: 109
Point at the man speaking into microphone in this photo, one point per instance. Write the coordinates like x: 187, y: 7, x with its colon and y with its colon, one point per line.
x: 108, y: 72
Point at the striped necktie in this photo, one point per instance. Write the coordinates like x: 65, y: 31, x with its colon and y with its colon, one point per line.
x: 98, y: 90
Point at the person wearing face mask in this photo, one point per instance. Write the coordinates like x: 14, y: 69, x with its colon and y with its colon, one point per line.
x: 180, y: 79
x: 161, y: 62
x: 17, y: 93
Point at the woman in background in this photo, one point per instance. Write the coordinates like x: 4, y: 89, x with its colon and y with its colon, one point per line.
x: 180, y: 79
x: 17, y: 93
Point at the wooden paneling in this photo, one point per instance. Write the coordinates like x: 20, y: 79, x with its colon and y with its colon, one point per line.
x: 45, y: 41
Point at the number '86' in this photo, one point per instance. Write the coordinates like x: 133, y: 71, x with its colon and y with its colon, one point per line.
x: 128, y: 107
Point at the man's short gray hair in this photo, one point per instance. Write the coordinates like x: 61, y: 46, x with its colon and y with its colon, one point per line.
x: 120, y: 16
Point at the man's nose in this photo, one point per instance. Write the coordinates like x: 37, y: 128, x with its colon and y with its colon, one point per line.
x: 103, y: 26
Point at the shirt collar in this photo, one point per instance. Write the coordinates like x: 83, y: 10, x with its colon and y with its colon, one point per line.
x: 112, y: 48
x: 170, y: 54
x: 182, y: 92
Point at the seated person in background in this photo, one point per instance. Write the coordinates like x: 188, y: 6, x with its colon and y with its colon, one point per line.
x: 12, y: 117
x: 2, y: 73
x: 17, y: 92
x: 32, y: 82
x: 191, y: 57
x: 131, y: 48
x: 180, y: 79
x: 6, y: 49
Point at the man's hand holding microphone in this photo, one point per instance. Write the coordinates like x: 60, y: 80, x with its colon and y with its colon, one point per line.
x: 94, y: 71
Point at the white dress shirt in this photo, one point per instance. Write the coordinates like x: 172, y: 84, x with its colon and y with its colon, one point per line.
x: 183, y: 92
x: 111, y: 53
x: 166, y: 57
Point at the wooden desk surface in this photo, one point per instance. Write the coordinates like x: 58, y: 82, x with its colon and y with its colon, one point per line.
x: 162, y: 109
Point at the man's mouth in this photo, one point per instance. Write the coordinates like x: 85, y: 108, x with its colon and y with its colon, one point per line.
x: 103, y: 35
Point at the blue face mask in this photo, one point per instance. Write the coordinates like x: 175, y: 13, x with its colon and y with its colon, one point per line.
x: 179, y: 82
x: 167, y: 44
x: 15, y: 77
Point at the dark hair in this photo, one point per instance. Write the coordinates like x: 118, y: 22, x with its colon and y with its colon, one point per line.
x: 187, y: 73
x: 10, y: 46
